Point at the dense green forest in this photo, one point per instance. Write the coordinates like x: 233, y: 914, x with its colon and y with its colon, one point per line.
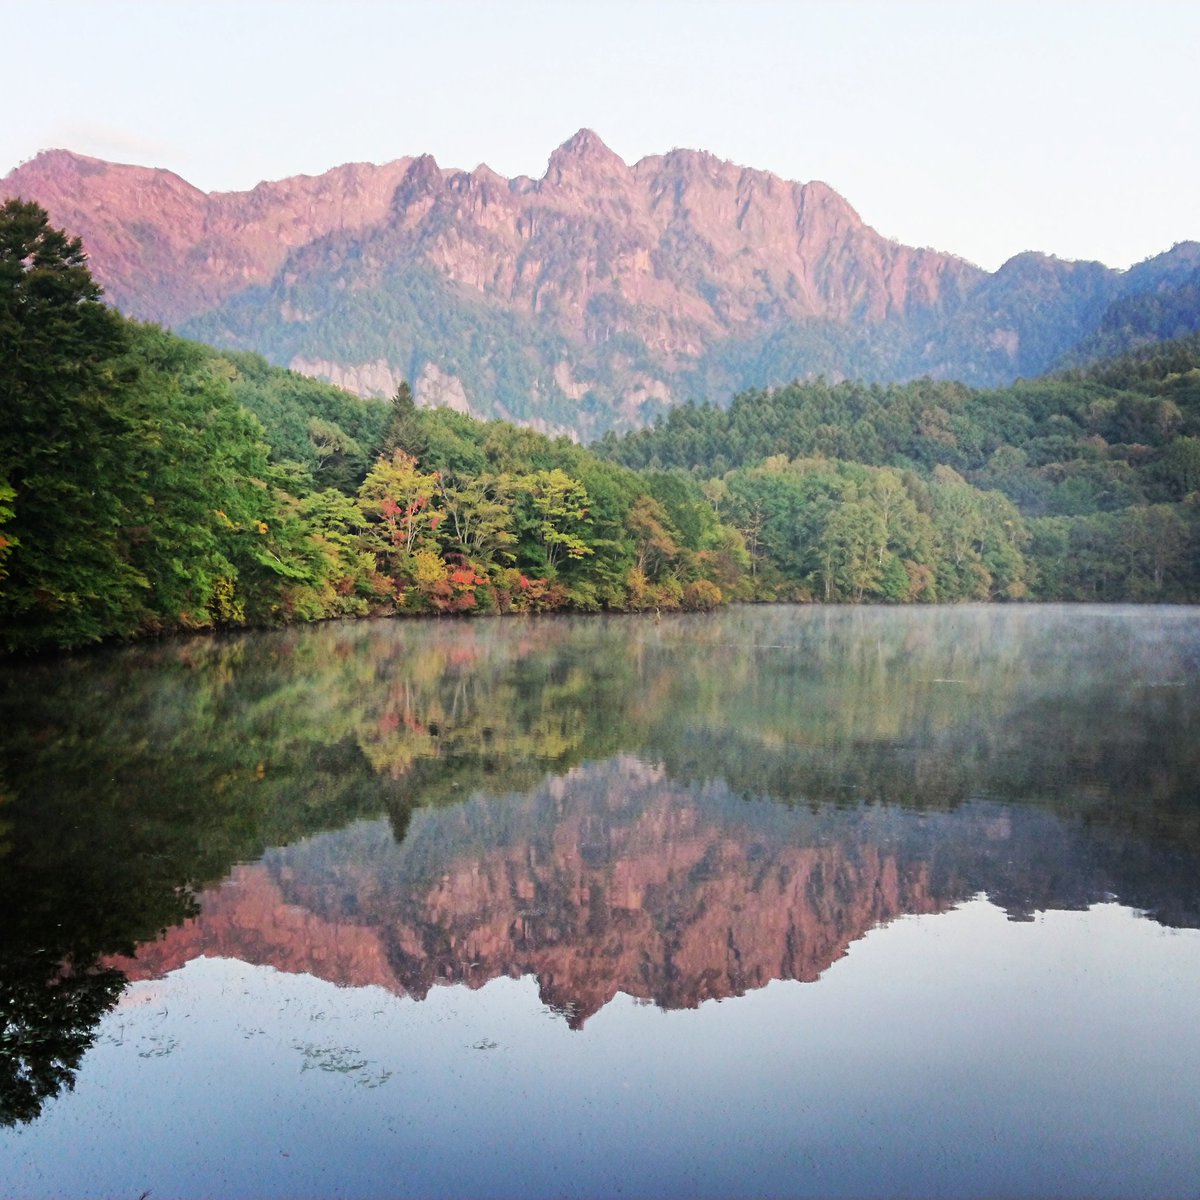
x: 150, y: 484
x: 1078, y: 486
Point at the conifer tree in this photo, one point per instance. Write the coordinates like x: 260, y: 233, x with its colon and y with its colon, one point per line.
x: 63, y: 440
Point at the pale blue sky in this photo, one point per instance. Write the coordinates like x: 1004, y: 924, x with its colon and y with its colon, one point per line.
x: 982, y: 128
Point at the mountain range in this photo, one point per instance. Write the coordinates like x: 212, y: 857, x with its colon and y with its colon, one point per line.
x: 592, y: 298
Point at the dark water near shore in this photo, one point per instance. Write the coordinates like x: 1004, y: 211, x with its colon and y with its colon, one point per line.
x: 778, y: 901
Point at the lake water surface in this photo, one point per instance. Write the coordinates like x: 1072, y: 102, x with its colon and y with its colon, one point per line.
x: 773, y: 902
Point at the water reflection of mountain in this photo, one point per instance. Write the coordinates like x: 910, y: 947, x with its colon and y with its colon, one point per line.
x: 613, y: 879
x: 813, y: 772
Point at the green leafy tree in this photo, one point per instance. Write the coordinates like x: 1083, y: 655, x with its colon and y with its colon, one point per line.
x: 656, y: 542
x: 205, y: 538
x: 65, y: 442
x: 338, y: 454
x: 1151, y: 545
x: 848, y: 551
x: 478, y: 518
x: 556, y: 517
x: 1181, y: 466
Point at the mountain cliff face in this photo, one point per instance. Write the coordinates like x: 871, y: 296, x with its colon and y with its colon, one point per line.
x: 589, y: 298
x: 165, y: 251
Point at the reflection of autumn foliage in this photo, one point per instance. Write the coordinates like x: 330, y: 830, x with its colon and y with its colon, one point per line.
x: 454, y: 701
x: 454, y: 718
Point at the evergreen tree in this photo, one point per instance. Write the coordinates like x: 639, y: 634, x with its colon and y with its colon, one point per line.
x: 405, y: 430
x: 64, y: 441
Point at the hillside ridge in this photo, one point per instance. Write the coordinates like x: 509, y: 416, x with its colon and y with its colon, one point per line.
x: 594, y: 297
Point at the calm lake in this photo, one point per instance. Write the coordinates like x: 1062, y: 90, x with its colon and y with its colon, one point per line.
x: 772, y: 902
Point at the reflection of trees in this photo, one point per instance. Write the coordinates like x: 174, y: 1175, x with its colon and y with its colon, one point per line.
x: 134, y: 780
x: 49, y: 1015
x: 799, y: 705
x: 473, y: 711
x: 138, y: 776
x: 68, y: 895
x: 73, y: 888
x: 1072, y: 709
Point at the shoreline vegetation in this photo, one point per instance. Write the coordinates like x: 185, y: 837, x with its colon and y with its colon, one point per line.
x: 150, y: 485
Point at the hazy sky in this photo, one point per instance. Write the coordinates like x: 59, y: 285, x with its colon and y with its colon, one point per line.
x: 982, y: 128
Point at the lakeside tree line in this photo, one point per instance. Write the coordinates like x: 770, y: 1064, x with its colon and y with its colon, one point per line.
x: 1079, y: 486
x: 150, y: 484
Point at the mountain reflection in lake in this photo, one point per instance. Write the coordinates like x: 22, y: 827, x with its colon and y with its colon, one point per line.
x: 440, y: 908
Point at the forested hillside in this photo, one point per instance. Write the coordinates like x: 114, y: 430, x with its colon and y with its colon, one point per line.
x: 149, y: 484
x: 1079, y: 486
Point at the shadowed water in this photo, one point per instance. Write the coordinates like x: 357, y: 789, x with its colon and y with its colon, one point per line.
x: 778, y: 901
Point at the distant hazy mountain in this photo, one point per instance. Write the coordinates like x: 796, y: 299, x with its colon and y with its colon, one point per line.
x: 590, y: 298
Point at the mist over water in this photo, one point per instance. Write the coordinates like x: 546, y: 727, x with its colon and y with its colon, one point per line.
x: 789, y: 901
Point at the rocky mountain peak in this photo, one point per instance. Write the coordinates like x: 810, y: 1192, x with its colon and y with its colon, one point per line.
x: 55, y: 160
x: 93, y: 176
x: 816, y: 196
x: 423, y: 177
x: 483, y: 174
x: 584, y: 144
x: 593, y: 297
x: 584, y: 158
